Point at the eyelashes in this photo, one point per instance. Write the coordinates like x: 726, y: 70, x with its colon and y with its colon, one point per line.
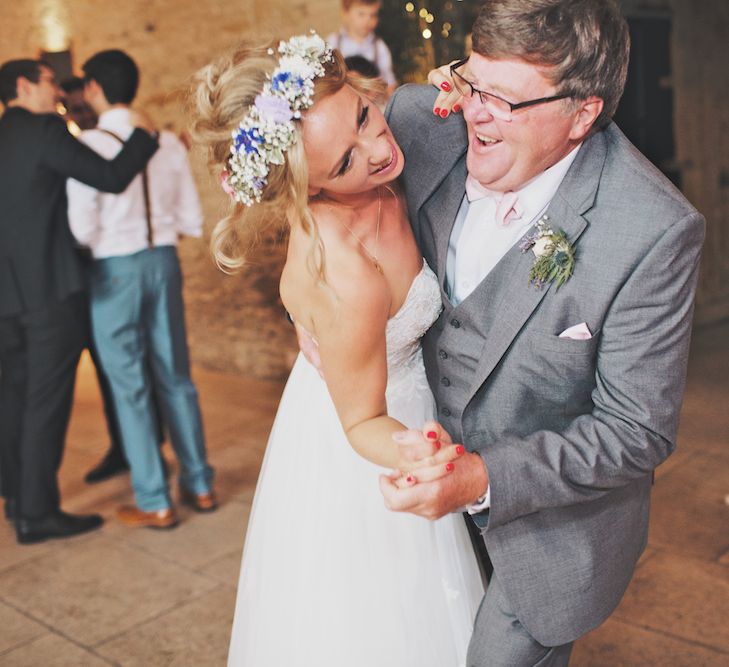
x: 361, y: 122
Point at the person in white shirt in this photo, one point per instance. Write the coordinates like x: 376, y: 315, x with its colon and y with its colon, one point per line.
x: 137, y: 312
x: 357, y: 38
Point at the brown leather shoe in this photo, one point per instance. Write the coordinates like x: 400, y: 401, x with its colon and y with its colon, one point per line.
x: 133, y: 517
x: 200, y: 502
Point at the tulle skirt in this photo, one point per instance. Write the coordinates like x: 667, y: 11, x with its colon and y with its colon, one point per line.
x: 330, y: 577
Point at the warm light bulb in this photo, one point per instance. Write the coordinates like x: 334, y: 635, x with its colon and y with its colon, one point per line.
x: 423, y: 13
x: 409, y: 7
x: 427, y: 34
x: 53, y: 16
x: 429, y: 18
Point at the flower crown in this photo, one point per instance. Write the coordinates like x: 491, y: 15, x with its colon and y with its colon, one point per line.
x: 268, y: 130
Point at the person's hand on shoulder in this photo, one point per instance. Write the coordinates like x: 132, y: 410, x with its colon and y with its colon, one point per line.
x: 449, y: 99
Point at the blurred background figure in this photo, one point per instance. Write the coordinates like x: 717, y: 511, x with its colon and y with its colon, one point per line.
x: 357, y: 37
x: 79, y: 115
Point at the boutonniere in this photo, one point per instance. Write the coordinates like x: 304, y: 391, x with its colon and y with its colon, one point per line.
x: 555, y: 255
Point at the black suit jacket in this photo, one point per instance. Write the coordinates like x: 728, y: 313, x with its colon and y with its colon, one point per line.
x: 38, y: 262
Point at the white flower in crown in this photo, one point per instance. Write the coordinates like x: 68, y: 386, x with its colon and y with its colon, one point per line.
x: 268, y: 130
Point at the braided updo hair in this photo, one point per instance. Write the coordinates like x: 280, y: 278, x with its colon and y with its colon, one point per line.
x: 222, y: 94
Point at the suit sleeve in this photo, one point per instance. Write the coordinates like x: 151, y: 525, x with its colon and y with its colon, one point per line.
x: 67, y: 156
x: 640, y: 376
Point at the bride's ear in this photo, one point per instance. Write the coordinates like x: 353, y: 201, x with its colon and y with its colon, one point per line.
x: 313, y: 192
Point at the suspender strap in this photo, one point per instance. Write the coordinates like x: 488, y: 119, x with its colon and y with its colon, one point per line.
x: 145, y: 188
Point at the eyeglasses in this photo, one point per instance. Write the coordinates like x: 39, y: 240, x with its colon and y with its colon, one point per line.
x: 497, y: 106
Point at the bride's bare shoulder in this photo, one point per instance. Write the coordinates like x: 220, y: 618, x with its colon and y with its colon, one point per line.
x: 351, y: 282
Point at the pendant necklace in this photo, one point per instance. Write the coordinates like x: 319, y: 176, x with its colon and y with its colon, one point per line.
x: 372, y: 256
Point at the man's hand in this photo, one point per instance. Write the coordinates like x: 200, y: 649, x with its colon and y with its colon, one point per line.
x: 433, y: 490
x: 449, y: 99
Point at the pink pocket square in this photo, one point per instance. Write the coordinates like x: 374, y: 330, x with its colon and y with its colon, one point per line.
x: 577, y: 332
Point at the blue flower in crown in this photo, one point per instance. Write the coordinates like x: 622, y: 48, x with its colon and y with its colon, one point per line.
x: 268, y: 130
x: 249, y: 140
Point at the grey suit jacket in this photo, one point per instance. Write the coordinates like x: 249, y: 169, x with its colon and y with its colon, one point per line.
x: 570, y: 430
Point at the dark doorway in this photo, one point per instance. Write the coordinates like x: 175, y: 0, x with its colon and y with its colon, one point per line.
x: 645, y: 113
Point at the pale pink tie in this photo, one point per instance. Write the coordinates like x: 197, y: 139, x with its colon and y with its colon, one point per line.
x: 507, y: 203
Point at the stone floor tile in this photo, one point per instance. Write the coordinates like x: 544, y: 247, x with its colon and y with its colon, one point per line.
x: 191, y: 635
x: 689, y: 514
x: 197, y: 541
x: 17, y: 629
x: 225, y: 569
x: 617, y: 644
x: 51, y: 651
x: 97, y: 591
x: 12, y: 553
x: 686, y: 598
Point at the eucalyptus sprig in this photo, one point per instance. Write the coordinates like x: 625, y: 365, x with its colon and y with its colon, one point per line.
x: 555, y: 255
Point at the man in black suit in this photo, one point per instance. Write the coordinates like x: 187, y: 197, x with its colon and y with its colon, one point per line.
x: 43, y: 318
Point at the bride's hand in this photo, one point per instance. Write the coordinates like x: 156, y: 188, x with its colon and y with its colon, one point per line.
x: 426, y: 455
x: 449, y: 99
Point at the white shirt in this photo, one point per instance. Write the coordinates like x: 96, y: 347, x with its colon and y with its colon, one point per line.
x: 478, y: 242
x: 372, y: 48
x: 114, y: 225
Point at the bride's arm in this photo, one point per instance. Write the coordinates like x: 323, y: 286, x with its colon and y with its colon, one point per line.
x: 349, y: 317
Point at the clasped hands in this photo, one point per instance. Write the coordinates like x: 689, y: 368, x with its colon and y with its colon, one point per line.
x: 436, y: 477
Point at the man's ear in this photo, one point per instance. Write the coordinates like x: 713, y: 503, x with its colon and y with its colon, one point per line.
x: 23, y: 87
x: 587, y: 112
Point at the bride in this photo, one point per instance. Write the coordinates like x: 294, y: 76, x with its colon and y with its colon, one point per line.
x: 329, y: 576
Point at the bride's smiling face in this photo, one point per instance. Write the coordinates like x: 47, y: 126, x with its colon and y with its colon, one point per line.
x: 349, y: 147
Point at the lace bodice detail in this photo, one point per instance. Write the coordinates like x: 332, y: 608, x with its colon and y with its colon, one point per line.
x: 405, y: 329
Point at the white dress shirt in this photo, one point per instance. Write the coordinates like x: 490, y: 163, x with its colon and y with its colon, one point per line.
x: 478, y: 242
x: 114, y: 225
x: 372, y: 47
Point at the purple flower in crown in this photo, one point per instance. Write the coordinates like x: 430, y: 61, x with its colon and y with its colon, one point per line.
x: 274, y: 108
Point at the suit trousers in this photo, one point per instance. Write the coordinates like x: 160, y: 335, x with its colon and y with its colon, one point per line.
x: 138, y: 326
x: 39, y: 353
x: 500, y: 640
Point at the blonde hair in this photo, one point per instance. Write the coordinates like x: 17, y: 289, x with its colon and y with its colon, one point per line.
x: 222, y: 94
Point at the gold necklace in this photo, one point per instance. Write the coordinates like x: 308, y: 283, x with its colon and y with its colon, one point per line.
x: 372, y: 256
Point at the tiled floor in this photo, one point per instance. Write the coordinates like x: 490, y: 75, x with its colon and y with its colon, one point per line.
x: 147, y: 598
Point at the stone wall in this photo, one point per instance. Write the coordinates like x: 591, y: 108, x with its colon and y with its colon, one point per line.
x: 235, y: 323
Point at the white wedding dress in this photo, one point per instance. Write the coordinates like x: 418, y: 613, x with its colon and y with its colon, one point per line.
x: 330, y: 577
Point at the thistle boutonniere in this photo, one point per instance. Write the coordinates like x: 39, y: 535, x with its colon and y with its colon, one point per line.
x: 555, y: 255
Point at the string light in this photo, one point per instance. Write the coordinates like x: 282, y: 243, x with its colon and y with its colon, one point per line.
x: 429, y: 18
x: 409, y: 7
x: 427, y: 34
x: 423, y: 13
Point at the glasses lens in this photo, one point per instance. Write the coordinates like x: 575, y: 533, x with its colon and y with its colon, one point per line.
x: 497, y: 107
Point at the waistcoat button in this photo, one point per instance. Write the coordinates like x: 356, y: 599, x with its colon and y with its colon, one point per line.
x: 445, y: 382
x: 455, y: 323
x: 442, y: 354
x: 445, y: 412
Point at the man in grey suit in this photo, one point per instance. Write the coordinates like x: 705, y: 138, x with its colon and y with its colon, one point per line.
x: 568, y: 267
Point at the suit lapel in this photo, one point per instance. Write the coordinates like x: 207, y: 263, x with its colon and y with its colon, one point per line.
x: 439, y: 213
x: 508, y: 290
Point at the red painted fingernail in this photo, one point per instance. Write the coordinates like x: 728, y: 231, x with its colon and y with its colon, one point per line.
x: 410, y: 479
x: 446, y: 86
x: 437, y: 444
x: 460, y: 449
x: 450, y: 467
x: 432, y: 435
x: 443, y: 113
x: 436, y: 111
x: 456, y: 108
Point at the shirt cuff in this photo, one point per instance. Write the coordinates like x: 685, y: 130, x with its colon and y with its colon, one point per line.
x: 481, y: 504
